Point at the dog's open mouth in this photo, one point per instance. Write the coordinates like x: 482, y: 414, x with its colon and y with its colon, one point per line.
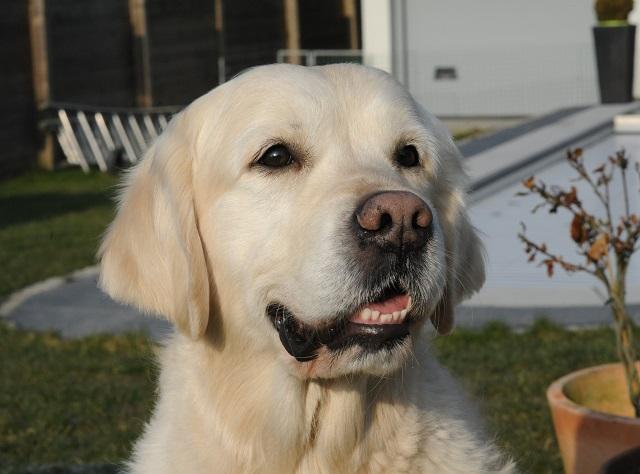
x: 382, y: 323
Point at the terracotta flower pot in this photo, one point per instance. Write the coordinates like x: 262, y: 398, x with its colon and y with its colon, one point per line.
x: 593, y: 417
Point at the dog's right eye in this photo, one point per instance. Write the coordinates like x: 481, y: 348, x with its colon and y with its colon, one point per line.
x: 277, y: 156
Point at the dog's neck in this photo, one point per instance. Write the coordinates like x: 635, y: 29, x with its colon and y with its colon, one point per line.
x: 272, y: 416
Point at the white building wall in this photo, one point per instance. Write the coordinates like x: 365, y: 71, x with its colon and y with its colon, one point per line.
x: 376, y: 33
x: 512, y: 57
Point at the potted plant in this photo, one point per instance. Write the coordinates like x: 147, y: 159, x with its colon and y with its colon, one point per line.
x: 615, y: 48
x: 596, y: 411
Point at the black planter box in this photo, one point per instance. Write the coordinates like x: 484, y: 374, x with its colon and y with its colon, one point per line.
x: 615, y: 48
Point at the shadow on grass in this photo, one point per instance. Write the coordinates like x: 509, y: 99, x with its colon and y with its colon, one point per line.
x: 34, y: 207
x: 68, y: 469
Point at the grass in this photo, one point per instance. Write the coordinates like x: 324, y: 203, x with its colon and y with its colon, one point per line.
x: 84, y: 401
x: 509, y: 374
x: 50, y: 224
x: 468, y: 133
x: 71, y: 401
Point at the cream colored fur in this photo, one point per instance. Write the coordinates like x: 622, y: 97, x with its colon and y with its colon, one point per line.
x: 207, y: 240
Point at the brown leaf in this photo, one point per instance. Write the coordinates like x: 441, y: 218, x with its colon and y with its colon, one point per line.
x: 574, y: 155
x: 549, y: 264
x: 571, y: 197
x: 600, y: 248
x: 578, y: 232
x: 529, y: 183
x: 600, y: 168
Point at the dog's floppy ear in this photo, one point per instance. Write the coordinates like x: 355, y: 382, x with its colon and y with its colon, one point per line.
x: 464, y: 251
x: 465, y: 263
x: 152, y: 255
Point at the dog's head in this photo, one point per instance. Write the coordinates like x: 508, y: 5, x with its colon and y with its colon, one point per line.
x: 313, y: 213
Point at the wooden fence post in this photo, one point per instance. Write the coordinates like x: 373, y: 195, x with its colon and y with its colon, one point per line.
x: 219, y: 25
x: 350, y: 12
x: 141, y: 60
x: 292, y: 28
x: 40, y: 71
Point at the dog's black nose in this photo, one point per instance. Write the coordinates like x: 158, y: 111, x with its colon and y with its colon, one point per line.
x: 394, y: 221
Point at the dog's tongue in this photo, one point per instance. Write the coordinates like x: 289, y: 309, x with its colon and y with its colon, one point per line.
x: 396, y: 303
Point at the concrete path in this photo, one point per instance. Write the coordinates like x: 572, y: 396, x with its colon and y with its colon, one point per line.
x: 75, y: 307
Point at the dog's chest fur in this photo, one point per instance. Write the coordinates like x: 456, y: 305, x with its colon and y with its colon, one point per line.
x: 207, y: 422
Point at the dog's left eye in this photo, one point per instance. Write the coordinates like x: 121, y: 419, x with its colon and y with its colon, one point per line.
x: 277, y: 156
x: 407, y: 157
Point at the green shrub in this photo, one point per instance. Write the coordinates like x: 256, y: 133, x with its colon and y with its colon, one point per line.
x: 613, y: 10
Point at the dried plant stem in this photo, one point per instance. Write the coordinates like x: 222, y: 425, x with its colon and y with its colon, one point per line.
x: 626, y: 350
x: 585, y: 175
x: 625, y: 190
x: 623, y: 322
x: 606, y: 247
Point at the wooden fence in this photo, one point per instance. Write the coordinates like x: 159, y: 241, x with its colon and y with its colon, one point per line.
x: 144, y: 53
x: 17, y: 119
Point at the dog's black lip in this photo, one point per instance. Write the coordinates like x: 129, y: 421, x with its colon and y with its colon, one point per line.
x: 303, y: 341
x: 370, y: 336
x: 297, y: 340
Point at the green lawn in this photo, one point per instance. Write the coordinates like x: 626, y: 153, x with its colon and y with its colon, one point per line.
x: 71, y: 401
x: 509, y: 374
x: 51, y: 223
x: 85, y: 401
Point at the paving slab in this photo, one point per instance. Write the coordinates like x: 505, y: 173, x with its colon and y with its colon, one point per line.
x: 495, y: 162
x: 520, y: 317
x: 475, y: 146
x: 76, y: 307
x: 514, y: 283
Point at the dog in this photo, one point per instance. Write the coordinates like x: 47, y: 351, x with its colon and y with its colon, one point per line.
x: 299, y: 226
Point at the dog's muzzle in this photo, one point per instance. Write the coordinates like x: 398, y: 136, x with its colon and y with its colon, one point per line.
x: 390, y: 230
x: 368, y: 327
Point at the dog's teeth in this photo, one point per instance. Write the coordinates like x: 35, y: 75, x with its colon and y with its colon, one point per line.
x: 365, y: 314
x: 385, y: 318
x: 409, y: 301
x: 396, y: 316
x: 375, y: 315
x: 403, y: 314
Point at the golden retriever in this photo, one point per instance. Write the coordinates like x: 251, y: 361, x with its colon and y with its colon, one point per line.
x: 299, y: 226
